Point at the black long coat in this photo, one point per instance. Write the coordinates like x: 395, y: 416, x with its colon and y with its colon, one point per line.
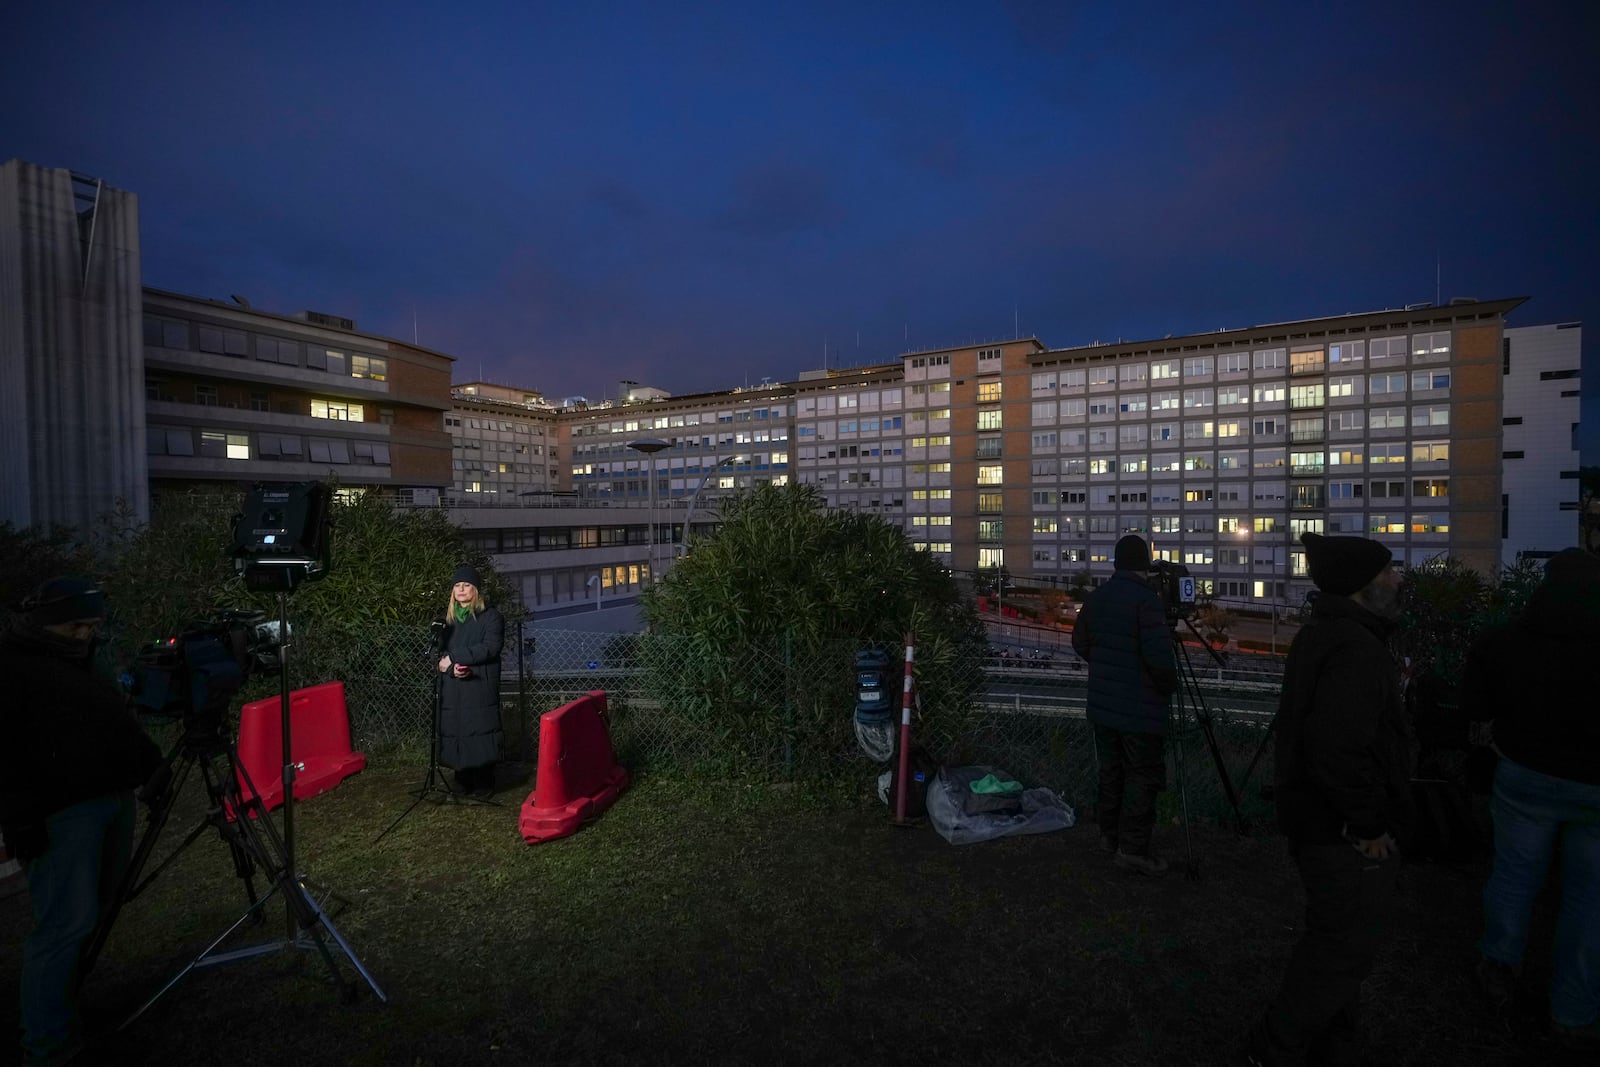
x: 469, y: 718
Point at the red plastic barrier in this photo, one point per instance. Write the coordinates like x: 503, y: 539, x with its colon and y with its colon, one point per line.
x: 320, y: 729
x: 578, y: 772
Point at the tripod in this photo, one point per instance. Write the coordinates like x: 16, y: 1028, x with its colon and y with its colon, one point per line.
x: 253, y: 842
x: 1189, y: 684
x: 436, y: 782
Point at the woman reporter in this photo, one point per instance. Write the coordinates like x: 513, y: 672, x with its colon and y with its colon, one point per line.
x: 469, y: 704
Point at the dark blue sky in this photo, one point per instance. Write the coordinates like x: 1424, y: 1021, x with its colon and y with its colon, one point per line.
x: 702, y: 195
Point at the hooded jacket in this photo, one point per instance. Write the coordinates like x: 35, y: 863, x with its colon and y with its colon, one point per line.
x: 1535, y: 679
x: 1344, y: 752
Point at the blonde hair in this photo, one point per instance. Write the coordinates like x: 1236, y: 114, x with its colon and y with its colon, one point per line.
x: 477, y: 605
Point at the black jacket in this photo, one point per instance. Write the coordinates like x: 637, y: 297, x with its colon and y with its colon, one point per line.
x: 1536, y: 680
x: 469, y: 721
x: 1122, y: 632
x: 66, y: 734
x: 1344, y: 751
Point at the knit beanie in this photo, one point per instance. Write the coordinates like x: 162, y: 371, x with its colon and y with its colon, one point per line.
x: 1344, y: 565
x: 1131, y: 554
x: 66, y: 599
x: 467, y: 573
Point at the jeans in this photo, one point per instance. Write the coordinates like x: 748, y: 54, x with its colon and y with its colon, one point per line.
x: 71, y: 886
x: 1532, y: 812
x: 1135, y: 764
x: 1349, y: 899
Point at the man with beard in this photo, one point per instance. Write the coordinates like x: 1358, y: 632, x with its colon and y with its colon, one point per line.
x: 1343, y: 770
x: 70, y: 758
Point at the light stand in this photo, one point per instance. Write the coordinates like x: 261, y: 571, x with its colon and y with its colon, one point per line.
x: 247, y: 828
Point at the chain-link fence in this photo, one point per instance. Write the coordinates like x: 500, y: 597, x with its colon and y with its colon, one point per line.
x: 784, y: 714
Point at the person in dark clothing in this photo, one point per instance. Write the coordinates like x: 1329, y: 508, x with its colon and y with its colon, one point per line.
x: 469, y: 704
x: 1122, y: 633
x: 1342, y: 785
x: 1534, y: 682
x: 71, y: 756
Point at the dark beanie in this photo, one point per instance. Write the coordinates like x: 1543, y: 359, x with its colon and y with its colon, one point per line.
x: 67, y: 599
x: 467, y: 573
x: 1344, y: 565
x: 1131, y: 554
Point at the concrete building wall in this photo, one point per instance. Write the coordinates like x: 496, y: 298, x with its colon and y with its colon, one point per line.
x: 71, y: 363
x: 1541, y: 372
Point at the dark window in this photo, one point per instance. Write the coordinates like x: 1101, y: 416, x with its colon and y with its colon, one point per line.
x: 1553, y: 375
x: 1511, y: 455
x: 1505, y: 355
x: 1515, y: 420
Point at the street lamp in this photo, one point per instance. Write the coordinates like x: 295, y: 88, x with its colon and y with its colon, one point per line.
x: 594, y: 583
x: 648, y: 447
x: 683, y: 542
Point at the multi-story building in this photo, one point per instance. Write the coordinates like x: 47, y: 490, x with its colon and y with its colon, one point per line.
x: 235, y: 394
x: 1220, y: 448
x: 1435, y: 429
x: 503, y: 442
x: 71, y: 365
x: 1541, y: 371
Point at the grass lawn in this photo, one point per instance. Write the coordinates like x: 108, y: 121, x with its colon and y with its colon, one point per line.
x: 713, y: 922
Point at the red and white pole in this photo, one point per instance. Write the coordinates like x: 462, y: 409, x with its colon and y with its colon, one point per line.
x: 903, y: 775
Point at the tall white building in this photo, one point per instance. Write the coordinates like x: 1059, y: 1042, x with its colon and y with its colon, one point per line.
x: 1542, y: 373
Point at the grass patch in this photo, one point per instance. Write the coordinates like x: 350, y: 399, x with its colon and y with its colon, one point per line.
x: 740, y: 922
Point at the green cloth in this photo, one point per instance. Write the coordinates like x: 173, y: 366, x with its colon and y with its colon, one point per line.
x: 463, y: 613
x: 993, y: 784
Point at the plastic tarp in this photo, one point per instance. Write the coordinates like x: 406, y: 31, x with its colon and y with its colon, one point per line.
x: 959, y: 816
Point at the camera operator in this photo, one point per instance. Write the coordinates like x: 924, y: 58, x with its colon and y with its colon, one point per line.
x: 71, y: 756
x: 1122, y: 633
x: 1342, y: 776
x: 469, y: 721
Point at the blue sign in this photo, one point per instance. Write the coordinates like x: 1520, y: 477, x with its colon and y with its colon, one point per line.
x: 1186, y: 590
x: 593, y: 665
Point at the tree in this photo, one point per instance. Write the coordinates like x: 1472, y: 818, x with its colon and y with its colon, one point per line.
x: 390, y: 568
x: 1444, y: 606
x: 34, y: 556
x: 757, y: 626
x: 1589, y: 508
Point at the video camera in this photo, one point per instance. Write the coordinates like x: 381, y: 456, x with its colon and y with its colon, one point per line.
x: 194, y: 675
x: 1176, y: 588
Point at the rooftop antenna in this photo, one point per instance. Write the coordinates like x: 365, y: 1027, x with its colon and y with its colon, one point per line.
x: 1016, y: 322
x: 414, y: 327
x: 1436, y: 276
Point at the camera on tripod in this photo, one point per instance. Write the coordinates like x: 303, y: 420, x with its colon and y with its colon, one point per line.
x: 1175, y: 587
x: 194, y: 675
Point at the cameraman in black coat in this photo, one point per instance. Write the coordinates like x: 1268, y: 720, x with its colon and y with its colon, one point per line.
x: 469, y: 704
x: 1123, y: 634
x: 1342, y: 776
x: 71, y: 756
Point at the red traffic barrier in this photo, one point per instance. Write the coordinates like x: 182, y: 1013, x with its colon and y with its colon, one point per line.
x: 319, y: 725
x: 578, y: 772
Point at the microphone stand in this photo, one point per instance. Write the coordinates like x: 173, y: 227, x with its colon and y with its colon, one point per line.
x: 436, y: 781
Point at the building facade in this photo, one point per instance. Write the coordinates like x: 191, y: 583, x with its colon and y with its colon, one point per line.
x: 1542, y: 374
x: 234, y: 394
x: 71, y: 365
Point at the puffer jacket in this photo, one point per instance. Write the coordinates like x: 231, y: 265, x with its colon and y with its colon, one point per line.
x: 66, y: 734
x: 1122, y: 633
x: 1535, y: 679
x: 1344, y: 749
